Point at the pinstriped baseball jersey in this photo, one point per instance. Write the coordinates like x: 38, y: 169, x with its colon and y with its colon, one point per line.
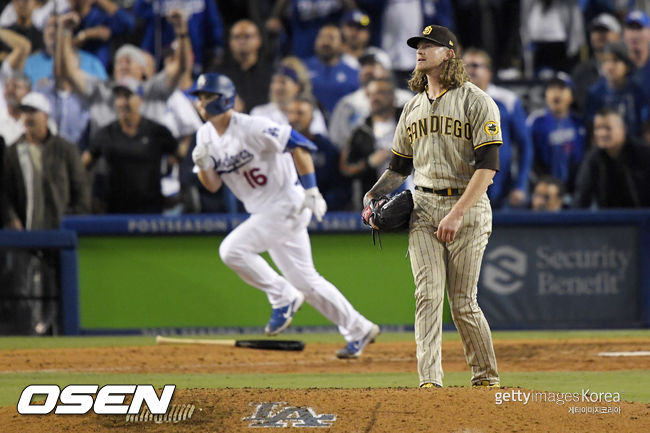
x: 441, y: 136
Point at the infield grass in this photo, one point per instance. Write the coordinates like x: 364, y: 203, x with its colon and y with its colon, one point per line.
x: 631, y: 384
x: 333, y: 337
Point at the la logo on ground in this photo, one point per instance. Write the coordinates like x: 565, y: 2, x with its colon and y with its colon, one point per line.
x: 278, y: 414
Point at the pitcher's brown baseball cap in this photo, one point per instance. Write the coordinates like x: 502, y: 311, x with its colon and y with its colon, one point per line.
x: 439, y: 35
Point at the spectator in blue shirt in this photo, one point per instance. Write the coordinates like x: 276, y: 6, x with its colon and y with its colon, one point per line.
x: 331, y: 78
x: 509, y: 186
x: 306, y: 18
x: 100, y: 20
x: 69, y: 111
x: 205, y: 28
x: 559, y: 135
x: 617, y: 90
x: 39, y: 64
x: 637, y: 39
x: 333, y: 186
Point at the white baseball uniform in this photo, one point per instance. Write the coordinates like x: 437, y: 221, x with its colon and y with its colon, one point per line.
x: 251, y: 160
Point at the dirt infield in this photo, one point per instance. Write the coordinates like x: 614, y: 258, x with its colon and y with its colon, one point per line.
x: 400, y: 410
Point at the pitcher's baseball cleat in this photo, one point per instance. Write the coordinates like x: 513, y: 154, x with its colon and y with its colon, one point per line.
x: 430, y: 385
x: 486, y: 384
x: 354, y: 349
x: 281, y: 317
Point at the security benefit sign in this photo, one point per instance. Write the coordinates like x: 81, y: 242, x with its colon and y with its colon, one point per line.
x: 561, y: 277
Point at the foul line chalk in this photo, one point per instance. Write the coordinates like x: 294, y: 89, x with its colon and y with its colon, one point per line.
x: 637, y: 353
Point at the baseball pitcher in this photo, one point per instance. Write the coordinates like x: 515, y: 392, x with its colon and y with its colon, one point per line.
x: 257, y: 159
x: 450, y: 134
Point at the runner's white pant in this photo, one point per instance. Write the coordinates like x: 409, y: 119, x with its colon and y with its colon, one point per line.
x: 287, y: 241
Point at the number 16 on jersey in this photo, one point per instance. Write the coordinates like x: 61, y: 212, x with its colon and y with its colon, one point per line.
x: 255, y: 178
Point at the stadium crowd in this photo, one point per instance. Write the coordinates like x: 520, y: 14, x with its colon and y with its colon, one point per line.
x: 96, y: 114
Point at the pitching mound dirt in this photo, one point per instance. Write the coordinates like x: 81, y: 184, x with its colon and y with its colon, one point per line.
x: 396, y: 410
x: 351, y: 410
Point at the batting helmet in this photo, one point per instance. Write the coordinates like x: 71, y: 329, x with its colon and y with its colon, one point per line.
x: 217, y: 84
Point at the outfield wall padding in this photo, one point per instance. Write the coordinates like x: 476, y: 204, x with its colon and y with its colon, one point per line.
x: 566, y: 270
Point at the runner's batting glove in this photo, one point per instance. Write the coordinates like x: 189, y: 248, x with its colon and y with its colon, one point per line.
x: 315, y: 202
x: 201, y: 158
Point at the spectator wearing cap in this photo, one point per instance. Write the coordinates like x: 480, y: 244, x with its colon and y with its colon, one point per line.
x: 331, y: 78
x: 289, y: 81
x: 204, y: 30
x: 40, y: 65
x: 614, y: 173
x: 603, y: 29
x: 637, y: 39
x: 509, y: 187
x: 99, y: 21
x: 559, y: 136
x: 133, y: 147
x: 548, y: 195
x: 333, y: 186
x: 43, y: 176
x: 617, y: 90
x: 248, y: 65
x: 130, y: 62
x: 354, y: 108
x: 355, y: 28
x: 16, y: 86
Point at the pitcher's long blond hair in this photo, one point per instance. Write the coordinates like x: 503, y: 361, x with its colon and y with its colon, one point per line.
x: 453, y: 75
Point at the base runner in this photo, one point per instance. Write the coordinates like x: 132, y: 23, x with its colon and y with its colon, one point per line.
x: 257, y: 159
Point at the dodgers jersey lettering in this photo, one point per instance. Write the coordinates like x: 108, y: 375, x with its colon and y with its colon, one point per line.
x: 251, y: 160
x: 441, y: 136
